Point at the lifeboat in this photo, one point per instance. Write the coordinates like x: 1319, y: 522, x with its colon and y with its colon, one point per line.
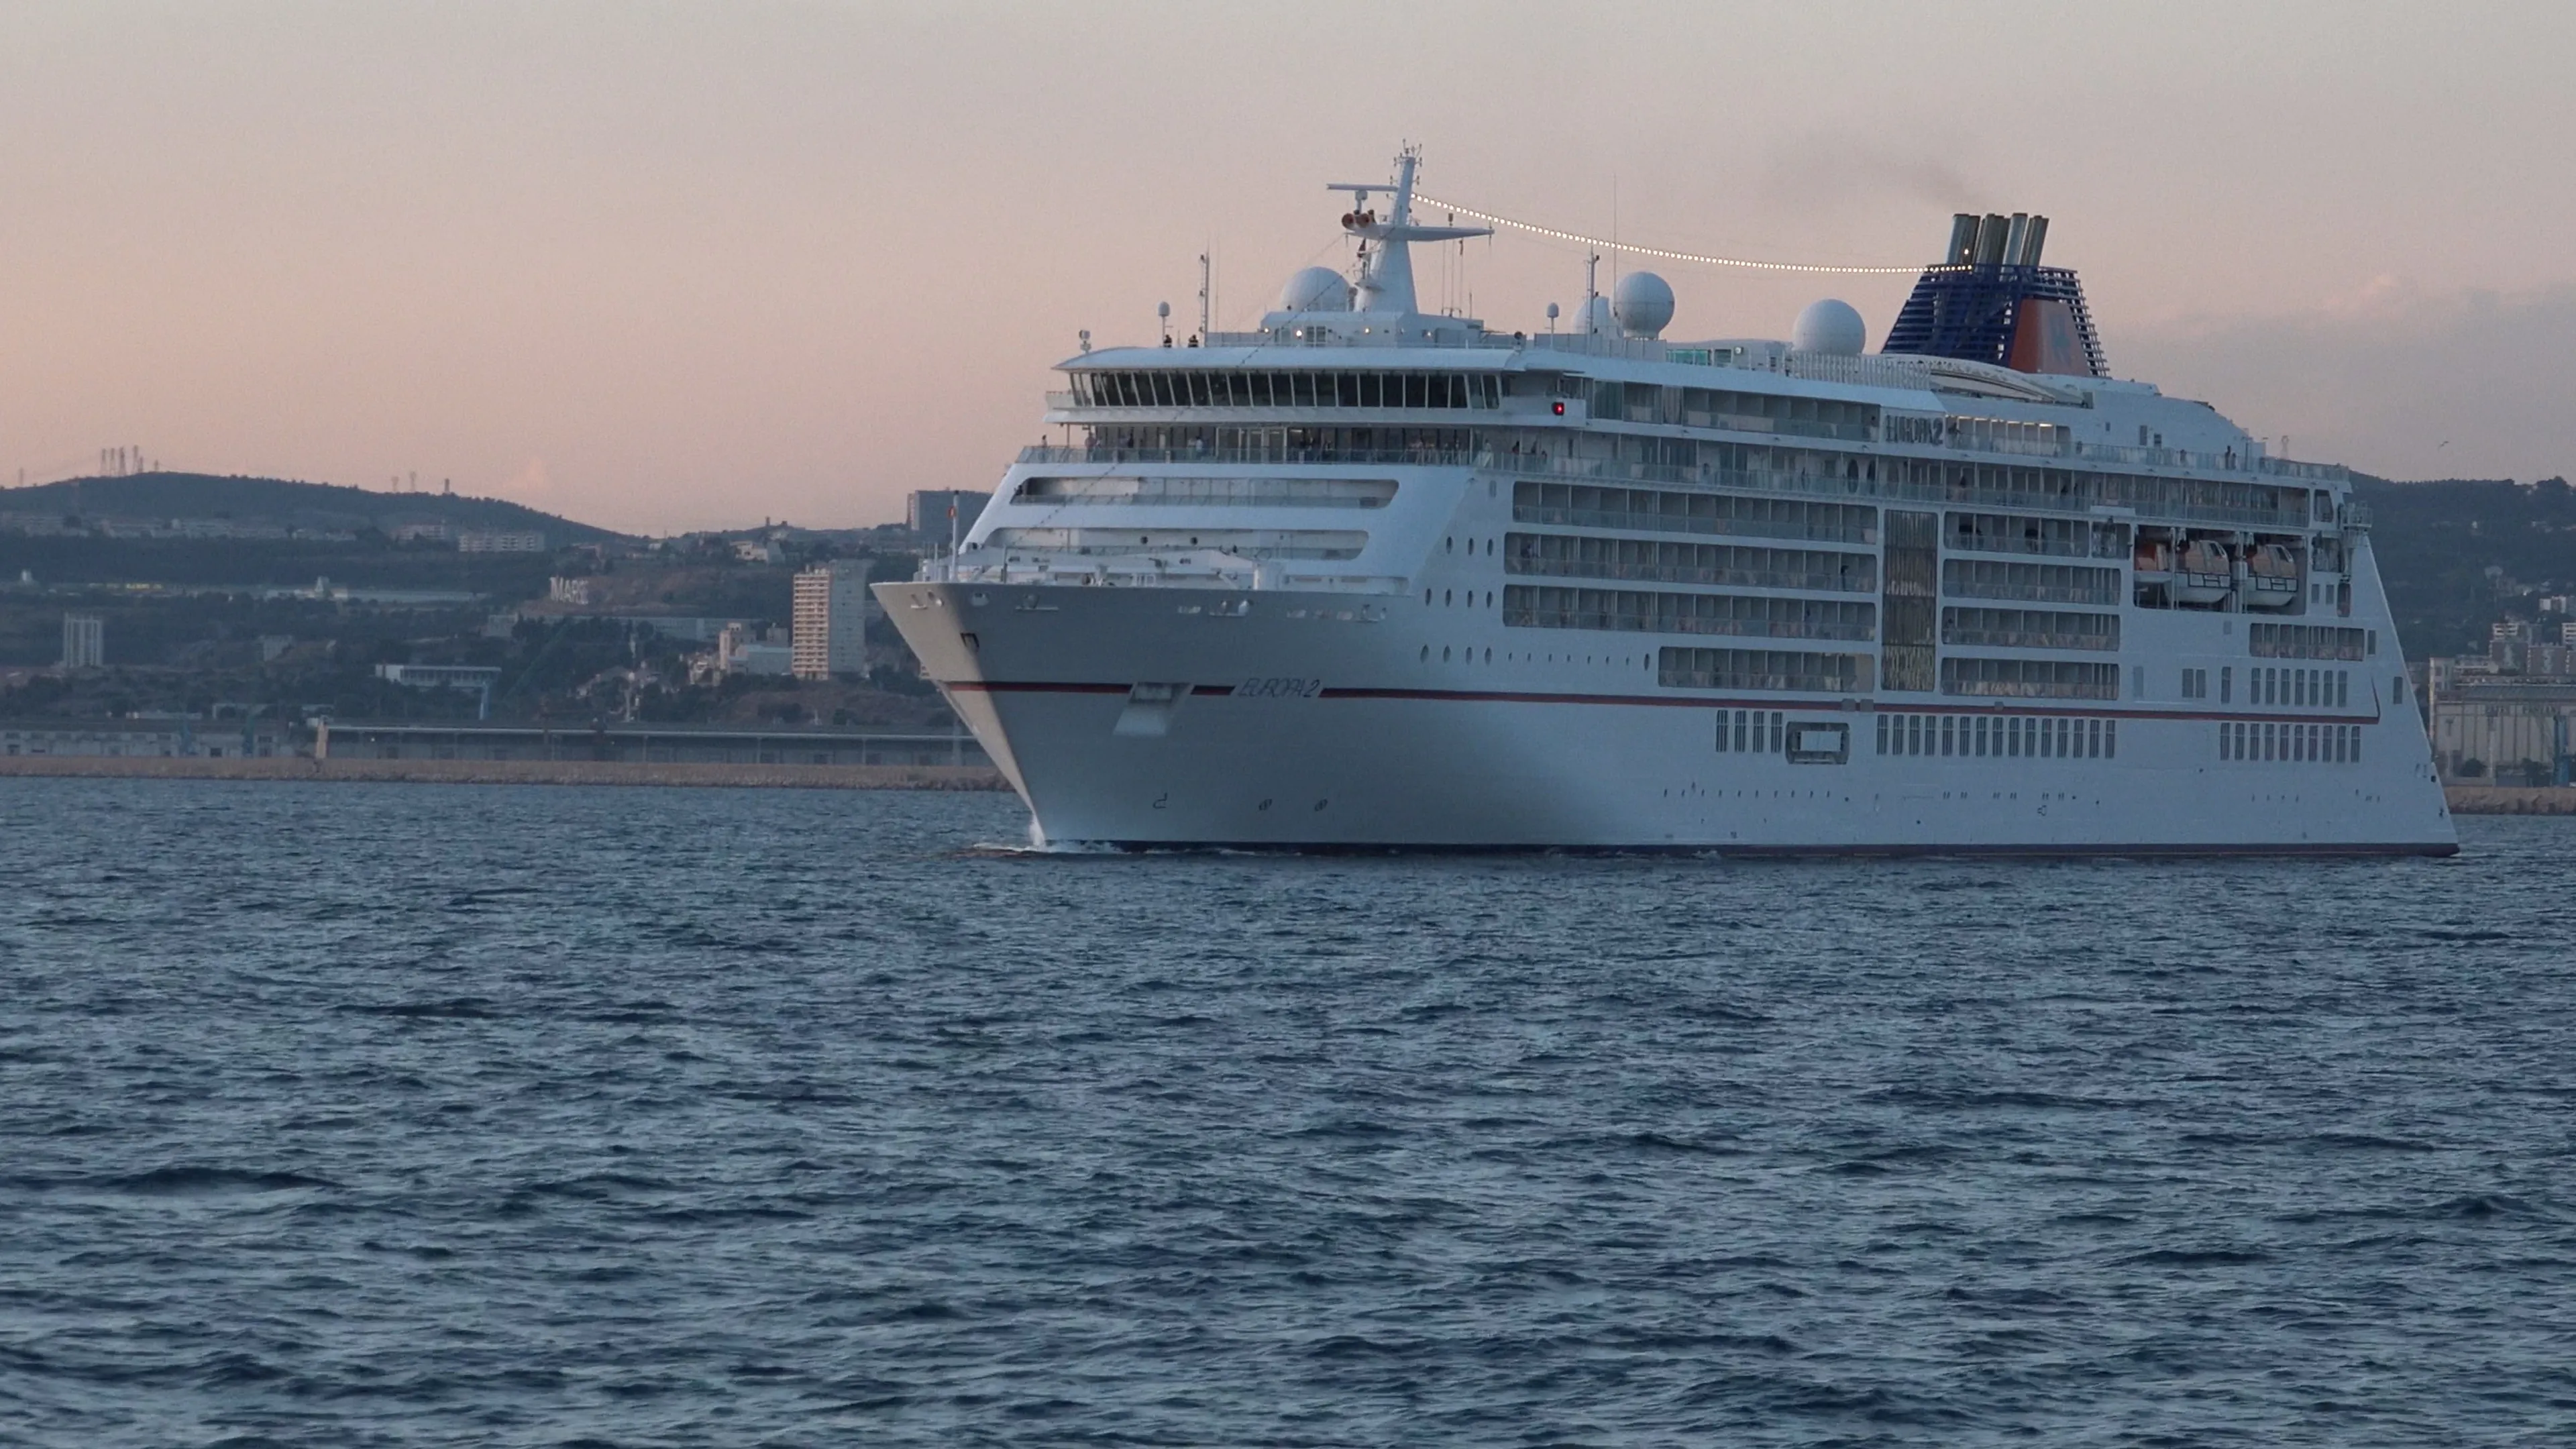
x: 2271, y: 576
x: 2205, y: 573
x: 2153, y: 562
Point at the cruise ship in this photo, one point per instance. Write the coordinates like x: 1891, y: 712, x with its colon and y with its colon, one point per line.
x: 1370, y: 577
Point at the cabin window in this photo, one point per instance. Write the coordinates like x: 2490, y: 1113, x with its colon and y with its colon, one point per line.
x: 2029, y: 678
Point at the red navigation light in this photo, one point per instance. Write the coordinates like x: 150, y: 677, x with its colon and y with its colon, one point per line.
x: 1560, y: 410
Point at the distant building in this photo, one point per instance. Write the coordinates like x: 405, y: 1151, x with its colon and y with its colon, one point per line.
x: 477, y: 677
x: 2506, y: 719
x: 759, y: 550
x: 84, y: 641
x: 500, y: 540
x: 423, y: 533
x: 131, y: 737
x: 926, y: 512
x: 741, y: 650
x: 832, y: 612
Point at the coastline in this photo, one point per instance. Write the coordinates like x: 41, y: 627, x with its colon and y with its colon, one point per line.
x: 2510, y: 799
x: 706, y: 774
x: 2464, y: 799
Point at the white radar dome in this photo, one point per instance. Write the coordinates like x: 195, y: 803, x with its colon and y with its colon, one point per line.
x: 1830, y: 327
x: 1316, y: 289
x: 1643, y: 303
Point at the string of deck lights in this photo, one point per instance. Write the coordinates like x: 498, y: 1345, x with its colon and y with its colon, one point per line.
x: 1659, y: 253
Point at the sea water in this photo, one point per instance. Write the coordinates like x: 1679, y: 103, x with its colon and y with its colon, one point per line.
x: 352, y: 1114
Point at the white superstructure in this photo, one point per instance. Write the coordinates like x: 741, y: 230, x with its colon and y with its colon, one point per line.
x: 1372, y: 577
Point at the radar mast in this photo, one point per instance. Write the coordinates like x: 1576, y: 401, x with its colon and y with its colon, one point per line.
x: 1386, y: 256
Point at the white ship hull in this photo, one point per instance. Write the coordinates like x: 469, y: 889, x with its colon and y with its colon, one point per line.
x: 1329, y: 732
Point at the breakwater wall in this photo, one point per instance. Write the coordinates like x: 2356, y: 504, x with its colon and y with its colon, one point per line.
x: 2511, y: 799
x: 514, y: 772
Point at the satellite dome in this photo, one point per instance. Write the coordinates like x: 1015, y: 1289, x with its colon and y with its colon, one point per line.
x: 1643, y: 303
x: 1830, y: 327
x: 1316, y: 289
x: 1595, y: 315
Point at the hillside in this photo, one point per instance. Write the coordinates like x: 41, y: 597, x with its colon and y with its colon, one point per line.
x: 2459, y: 553
x: 279, y: 500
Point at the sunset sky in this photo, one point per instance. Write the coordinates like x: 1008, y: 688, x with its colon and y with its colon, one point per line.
x: 673, y: 266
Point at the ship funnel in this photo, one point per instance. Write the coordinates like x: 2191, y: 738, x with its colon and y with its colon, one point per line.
x: 1990, y: 239
x: 1989, y: 300
x: 2032, y: 240
x: 1963, y: 239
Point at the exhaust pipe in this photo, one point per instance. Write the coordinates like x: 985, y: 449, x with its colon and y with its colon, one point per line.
x: 1963, y: 239
x: 1990, y: 239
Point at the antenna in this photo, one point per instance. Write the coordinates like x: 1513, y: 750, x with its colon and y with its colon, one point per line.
x: 1386, y: 268
x: 1551, y: 319
x: 1203, y: 299
x: 1163, y: 310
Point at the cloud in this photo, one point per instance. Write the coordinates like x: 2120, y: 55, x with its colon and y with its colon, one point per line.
x: 2390, y: 378
x: 530, y: 484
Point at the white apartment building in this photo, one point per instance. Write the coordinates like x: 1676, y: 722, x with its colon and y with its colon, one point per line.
x: 84, y: 641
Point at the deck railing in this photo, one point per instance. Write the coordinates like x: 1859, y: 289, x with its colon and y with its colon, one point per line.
x: 1538, y: 465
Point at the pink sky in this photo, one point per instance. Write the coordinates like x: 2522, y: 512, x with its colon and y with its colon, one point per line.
x: 671, y: 266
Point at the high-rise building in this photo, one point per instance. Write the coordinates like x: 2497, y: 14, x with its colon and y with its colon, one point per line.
x: 831, y: 620
x: 926, y: 512
x: 84, y: 641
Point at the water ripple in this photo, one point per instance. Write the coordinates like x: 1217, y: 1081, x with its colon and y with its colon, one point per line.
x: 384, y: 1114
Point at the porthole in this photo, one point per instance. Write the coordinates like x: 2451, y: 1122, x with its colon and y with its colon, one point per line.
x: 1444, y: 653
